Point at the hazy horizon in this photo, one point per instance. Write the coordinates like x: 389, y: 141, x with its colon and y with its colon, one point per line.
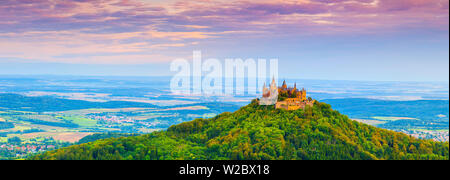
x: 170, y: 76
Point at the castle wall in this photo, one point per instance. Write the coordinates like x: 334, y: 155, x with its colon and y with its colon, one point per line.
x: 293, y: 105
x: 290, y: 104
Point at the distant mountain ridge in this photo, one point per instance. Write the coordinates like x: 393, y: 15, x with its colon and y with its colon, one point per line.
x: 406, y: 115
x: 48, y: 103
x: 262, y: 133
x: 365, y: 108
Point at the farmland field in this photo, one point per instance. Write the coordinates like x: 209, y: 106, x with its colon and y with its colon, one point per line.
x: 393, y: 118
x: 71, y: 137
x: 370, y: 121
x: 83, y: 122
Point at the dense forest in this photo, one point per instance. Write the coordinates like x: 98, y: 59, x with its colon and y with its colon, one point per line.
x: 262, y: 133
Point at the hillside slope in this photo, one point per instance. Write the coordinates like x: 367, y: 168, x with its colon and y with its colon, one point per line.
x: 262, y: 133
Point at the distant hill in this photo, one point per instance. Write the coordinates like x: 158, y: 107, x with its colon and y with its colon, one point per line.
x: 422, y: 114
x: 48, y: 103
x: 262, y: 133
x: 367, y: 108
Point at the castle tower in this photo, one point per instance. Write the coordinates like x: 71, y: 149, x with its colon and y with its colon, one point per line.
x: 270, y: 95
x: 273, y: 84
x: 274, y: 88
x: 284, y: 85
x: 266, y: 92
x: 303, y: 94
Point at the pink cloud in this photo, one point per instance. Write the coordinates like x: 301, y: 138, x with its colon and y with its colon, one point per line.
x: 134, y: 15
x: 133, y: 26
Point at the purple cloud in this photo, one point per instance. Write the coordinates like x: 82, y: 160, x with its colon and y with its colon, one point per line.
x: 111, y: 26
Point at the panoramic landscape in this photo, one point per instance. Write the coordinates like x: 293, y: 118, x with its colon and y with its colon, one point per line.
x: 41, y: 113
x: 224, y: 80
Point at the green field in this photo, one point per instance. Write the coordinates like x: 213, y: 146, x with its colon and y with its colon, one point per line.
x: 84, y: 122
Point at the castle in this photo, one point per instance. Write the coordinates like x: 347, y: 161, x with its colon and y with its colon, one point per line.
x: 270, y: 96
x: 285, y: 97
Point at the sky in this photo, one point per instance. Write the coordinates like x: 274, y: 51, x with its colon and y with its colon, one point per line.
x: 379, y: 40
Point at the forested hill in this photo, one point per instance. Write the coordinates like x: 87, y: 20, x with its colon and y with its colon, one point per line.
x: 262, y: 133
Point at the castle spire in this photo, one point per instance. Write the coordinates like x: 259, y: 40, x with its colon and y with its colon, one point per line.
x: 284, y: 85
x: 273, y: 84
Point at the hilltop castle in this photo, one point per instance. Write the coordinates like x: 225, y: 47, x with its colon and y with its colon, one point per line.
x: 270, y: 95
x: 285, y: 97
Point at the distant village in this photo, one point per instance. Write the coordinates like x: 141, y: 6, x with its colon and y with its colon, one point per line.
x: 112, y: 121
x: 442, y: 136
x: 26, y: 148
x: 19, y: 149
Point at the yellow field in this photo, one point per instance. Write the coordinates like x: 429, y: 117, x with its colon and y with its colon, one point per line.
x: 188, y: 108
x: 19, y: 128
x: 370, y: 122
x: 61, y: 136
x: 393, y: 118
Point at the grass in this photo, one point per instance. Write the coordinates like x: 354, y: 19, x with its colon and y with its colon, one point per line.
x: 85, y: 122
